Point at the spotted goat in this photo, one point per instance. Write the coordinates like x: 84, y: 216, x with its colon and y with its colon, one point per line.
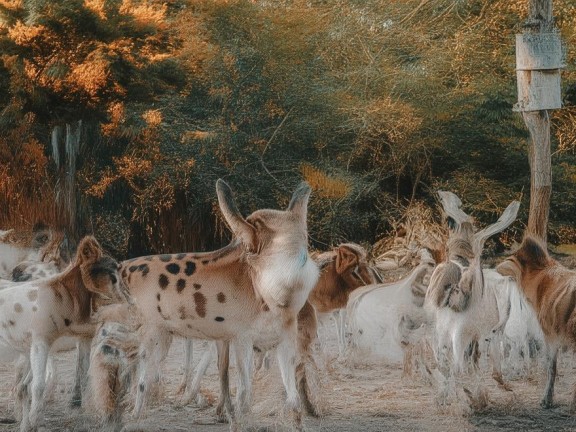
x: 248, y: 293
x: 35, y: 314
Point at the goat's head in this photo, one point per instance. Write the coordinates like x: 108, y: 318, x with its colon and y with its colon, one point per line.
x: 100, y: 273
x: 527, y: 261
x: 41, y: 235
x: 265, y: 229
x: 352, y: 266
x: 452, y: 284
x: 276, y: 242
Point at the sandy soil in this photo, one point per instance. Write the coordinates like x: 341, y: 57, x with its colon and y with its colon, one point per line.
x: 368, y: 398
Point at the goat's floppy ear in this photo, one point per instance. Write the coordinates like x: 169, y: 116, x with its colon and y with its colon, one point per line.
x: 509, y: 268
x: 89, y: 250
x: 345, y: 259
x: 299, y: 201
x: 239, y: 226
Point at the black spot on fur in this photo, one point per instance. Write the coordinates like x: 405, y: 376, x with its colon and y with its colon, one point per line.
x: 66, y: 322
x: 144, y: 269
x: 132, y: 268
x: 180, y: 285
x: 180, y: 256
x: 190, y: 268
x: 163, y: 281
x: 11, y: 322
x: 219, y: 319
x: 107, y: 350
x: 204, y: 262
x: 158, y: 296
x: 197, y: 286
x: 18, y: 274
x: 165, y: 257
x: 173, y: 268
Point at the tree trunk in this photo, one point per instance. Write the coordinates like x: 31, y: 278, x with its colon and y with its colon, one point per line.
x: 540, y: 20
x: 65, y: 151
x: 539, y: 155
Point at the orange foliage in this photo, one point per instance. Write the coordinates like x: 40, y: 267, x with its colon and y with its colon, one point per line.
x: 324, y: 185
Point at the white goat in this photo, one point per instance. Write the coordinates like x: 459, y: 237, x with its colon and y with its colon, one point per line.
x: 469, y: 304
x: 385, y: 318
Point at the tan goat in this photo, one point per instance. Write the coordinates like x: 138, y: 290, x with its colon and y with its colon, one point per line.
x: 550, y: 289
x: 35, y: 314
x: 248, y: 293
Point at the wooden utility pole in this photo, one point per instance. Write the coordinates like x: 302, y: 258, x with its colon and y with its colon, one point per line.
x: 538, y: 62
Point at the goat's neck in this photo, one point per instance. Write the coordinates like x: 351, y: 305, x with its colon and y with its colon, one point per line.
x: 71, y: 282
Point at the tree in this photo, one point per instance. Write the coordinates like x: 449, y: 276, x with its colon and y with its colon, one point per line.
x: 69, y: 63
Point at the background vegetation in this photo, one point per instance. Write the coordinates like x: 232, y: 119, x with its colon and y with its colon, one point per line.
x: 117, y: 116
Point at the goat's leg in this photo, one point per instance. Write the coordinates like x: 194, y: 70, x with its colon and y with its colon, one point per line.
x: 223, y: 348
x: 307, y: 333
x: 552, y: 357
x: 22, y: 390
x: 188, y: 367
x: 38, y: 358
x: 496, y: 359
x: 193, y: 390
x: 153, y: 349
x: 504, y: 306
x: 459, y: 348
x: 339, y: 316
x: 244, y: 351
x: 286, y: 353
x: 82, y: 365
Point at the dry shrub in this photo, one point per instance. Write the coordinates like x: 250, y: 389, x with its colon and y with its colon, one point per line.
x: 417, y: 228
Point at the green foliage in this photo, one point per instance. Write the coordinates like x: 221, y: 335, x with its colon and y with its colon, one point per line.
x: 376, y: 104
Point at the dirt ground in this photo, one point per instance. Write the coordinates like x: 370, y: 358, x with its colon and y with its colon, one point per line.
x: 367, y: 398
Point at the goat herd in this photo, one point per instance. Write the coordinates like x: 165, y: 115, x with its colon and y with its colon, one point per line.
x: 264, y: 291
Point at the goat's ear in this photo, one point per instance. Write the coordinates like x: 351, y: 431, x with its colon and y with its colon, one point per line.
x: 505, y: 220
x: 239, y: 226
x: 510, y: 268
x: 451, y: 204
x: 299, y: 202
x: 89, y: 250
x: 345, y: 259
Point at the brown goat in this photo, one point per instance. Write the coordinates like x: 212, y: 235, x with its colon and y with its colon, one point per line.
x: 342, y: 270
x: 550, y: 288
